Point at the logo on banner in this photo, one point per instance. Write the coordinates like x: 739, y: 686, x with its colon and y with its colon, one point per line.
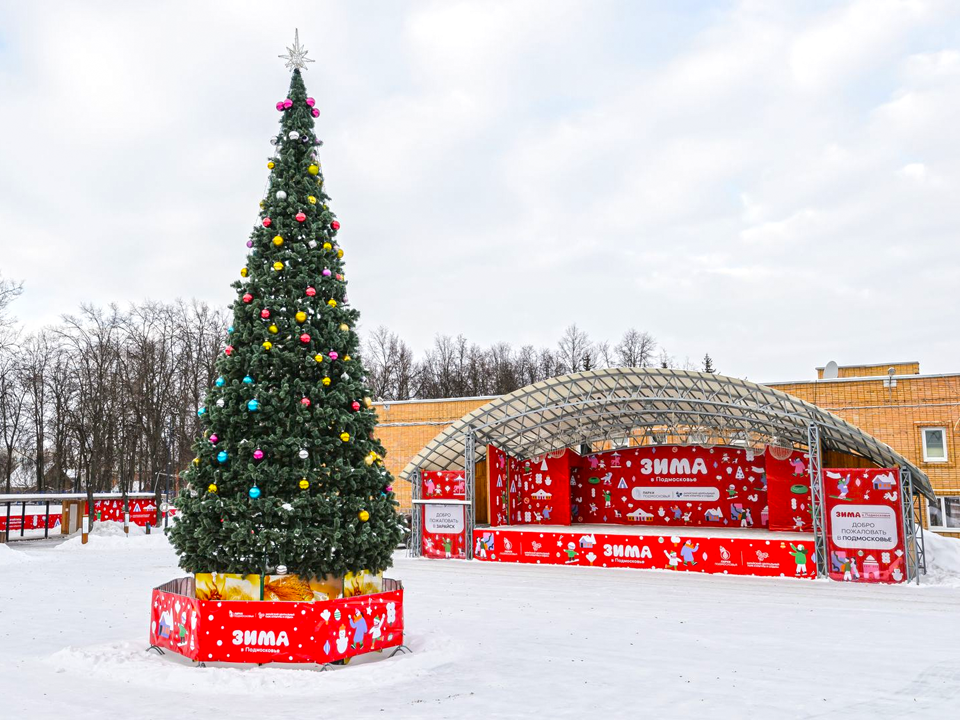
x: 263, y: 638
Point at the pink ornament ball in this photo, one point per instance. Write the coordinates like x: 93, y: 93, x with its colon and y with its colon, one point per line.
x: 339, y: 276
x: 333, y: 355
x: 267, y: 222
x: 335, y: 224
x: 247, y: 298
x: 388, y: 489
x: 288, y: 103
x: 228, y: 350
x: 301, y: 217
x: 258, y: 454
x: 311, y: 102
x: 315, y: 112
x: 305, y: 402
x: 280, y: 106
x: 249, y: 243
x: 304, y: 338
x: 214, y: 439
x: 311, y: 292
x: 326, y: 272
x: 264, y: 313
x: 355, y: 405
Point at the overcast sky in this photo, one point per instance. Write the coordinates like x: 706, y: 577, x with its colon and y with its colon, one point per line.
x: 773, y: 182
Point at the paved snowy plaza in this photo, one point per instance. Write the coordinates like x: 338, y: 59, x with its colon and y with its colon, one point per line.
x: 496, y: 641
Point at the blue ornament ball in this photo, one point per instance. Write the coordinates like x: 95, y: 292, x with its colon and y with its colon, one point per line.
x: 201, y: 412
x: 222, y: 456
x: 220, y: 382
x: 254, y: 492
x: 230, y: 329
x: 248, y: 380
x: 253, y: 405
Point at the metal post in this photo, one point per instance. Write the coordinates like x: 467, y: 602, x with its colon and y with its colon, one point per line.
x: 46, y: 520
x: 23, y: 518
x: 415, y: 546
x: 910, y: 541
x: 126, y: 514
x: 469, y: 476
x: 6, y: 530
x: 815, y: 470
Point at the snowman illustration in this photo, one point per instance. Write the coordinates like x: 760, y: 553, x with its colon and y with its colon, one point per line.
x: 342, y: 639
x: 375, y: 631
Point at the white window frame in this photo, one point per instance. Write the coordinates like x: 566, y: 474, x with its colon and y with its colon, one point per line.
x: 943, y: 514
x: 923, y: 440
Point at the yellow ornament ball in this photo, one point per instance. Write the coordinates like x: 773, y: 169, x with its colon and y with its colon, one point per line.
x: 274, y: 329
x: 278, y: 266
x: 331, y: 302
x: 345, y: 436
x: 344, y: 327
x: 212, y: 487
x: 363, y: 515
x: 278, y: 240
x: 304, y: 484
x: 311, y: 199
x: 301, y: 316
x: 368, y: 402
x: 318, y: 357
x: 270, y: 165
x: 326, y: 381
x: 267, y: 344
x: 327, y: 246
x: 243, y: 272
x: 346, y: 358
x: 369, y: 459
x: 261, y: 204
x: 313, y: 169
x: 340, y: 253
x: 196, y: 461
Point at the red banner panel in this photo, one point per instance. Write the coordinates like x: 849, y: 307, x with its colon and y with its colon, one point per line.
x: 788, y: 492
x: 142, y: 510
x: 444, y: 533
x: 540, y: 489
x: 777, y: 557
x: 671, y: 485
x: 443, y: 485
x: 864, y: 525
x: 259, y: 632
x: 499, y: 490
x: 29, y: 522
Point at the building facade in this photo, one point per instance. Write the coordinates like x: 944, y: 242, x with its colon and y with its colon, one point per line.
x: 917, y: 415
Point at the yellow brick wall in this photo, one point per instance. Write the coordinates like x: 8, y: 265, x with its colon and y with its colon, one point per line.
x: 865, y: 371
x: 893, y: 415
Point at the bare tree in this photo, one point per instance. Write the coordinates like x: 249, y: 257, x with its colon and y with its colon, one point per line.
x: 12, y: 412
x: 574, y: 350
x: 635, y: 349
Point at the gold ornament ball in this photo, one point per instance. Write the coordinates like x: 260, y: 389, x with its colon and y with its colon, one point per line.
x: 212, y: 488
x: 243, y: 272
x: 278, y: 240
x: 261, y: 204
x: 313, y: 169
x: 345, y: 436
x: 369, y: 459
x: 363, y: 515
x: 344, y: 327
x: 368, y: 402
x: 346, y: 358
x: 278, y: 266
x: 196, y: 461
x: 318, y: 357
x: 327, y: 246
x: 267, y: 344
x: 340, y: 253
x: 311, y: 199
x: 326, y: 381
x: 331, y: 302
x: 274, y: 329
x: 301, y: 316
x: 270, y: 165
x: 304, y: 484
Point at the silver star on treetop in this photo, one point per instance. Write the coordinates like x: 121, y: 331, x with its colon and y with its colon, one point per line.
x: 296, y: 56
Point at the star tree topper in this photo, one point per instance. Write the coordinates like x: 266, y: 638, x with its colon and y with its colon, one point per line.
x: 296, y: 56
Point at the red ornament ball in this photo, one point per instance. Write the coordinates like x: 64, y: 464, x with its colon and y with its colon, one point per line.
x: 247, y: 298
x: 355, y: 405
x: 264, y: 313
x: 305, y: 402
x: 311, y: 292
x: 267, y: 222
x: 228, y: 349
x: 335, y: 224
x: 301, y: 217
x: 304, y: 338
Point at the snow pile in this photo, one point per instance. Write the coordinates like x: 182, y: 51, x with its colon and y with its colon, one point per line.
x: 9, y: 556
x: 109, y: 535
x: 943, y: 560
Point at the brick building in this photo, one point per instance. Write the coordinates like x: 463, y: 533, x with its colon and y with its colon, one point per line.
x: 917, y: 415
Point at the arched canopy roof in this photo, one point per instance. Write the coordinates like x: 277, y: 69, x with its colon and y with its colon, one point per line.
x: 620, y: 407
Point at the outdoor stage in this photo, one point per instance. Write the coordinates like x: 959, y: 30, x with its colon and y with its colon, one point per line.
x: 691, y: 549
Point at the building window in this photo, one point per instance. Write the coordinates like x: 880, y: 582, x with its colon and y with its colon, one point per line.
x: 944, y: 513
x: 934, y: 444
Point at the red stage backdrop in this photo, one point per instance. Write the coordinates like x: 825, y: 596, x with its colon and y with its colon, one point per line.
x: 443, y: 485
x: 142, y: 511
x: 258, y: 632
x: 864, y: 525
x: 788, y: 490
x: 730, y: 555
x: 671, y: 485
x: 499, y: 489
x: 540, y: 490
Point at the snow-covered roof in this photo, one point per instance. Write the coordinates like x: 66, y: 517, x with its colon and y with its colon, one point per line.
x: 645, y: 406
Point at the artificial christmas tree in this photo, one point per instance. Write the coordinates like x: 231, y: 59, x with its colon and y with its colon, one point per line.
x: 288, y: 476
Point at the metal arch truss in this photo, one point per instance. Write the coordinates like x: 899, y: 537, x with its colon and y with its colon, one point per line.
x: 815, y: 471
x: 630, y: 407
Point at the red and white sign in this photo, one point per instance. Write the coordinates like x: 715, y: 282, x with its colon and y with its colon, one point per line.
x: 864, y: 525
x: 540, y: 490
x: 788, y: 492
x: 31, y: 521
x: 671, y: 485
x: 443, y: 485
x: 778, y: 557
x: 444, y: 531
x: 259, y: 632
x: 142, y: 510
x: 499, y: 487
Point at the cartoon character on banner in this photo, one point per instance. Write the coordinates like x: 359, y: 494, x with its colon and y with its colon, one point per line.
x: 377, y: 630
x: 571, y: 552
x: 673, y: 561
x: 687, y: 551
x: 843, y: 487
x: 342, y: 639
x: 359, y: 624
x: 799, y: 554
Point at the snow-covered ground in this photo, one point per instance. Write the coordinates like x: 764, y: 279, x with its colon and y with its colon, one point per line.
x: 496, y: 641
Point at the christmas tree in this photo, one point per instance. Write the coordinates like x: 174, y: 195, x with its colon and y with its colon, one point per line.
x: 288, y: 473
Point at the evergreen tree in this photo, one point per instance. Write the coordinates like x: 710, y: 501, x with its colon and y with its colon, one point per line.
x: 708, y: 364
x: 288, y: 472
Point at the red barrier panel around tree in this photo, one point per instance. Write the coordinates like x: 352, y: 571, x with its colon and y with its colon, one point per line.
x: 261, y: 632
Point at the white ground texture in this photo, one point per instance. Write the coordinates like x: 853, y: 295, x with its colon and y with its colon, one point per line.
x: 496, y: 641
